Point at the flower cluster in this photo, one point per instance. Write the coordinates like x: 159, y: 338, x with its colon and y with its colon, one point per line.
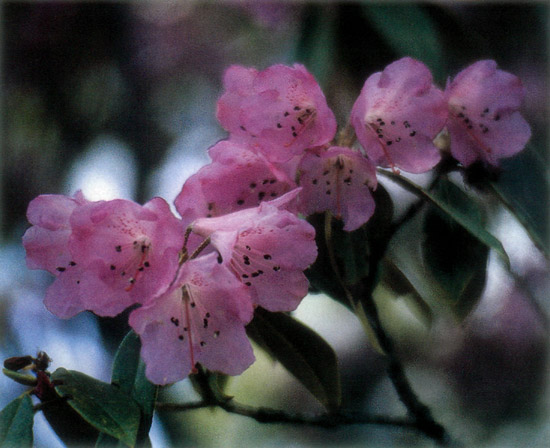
x: 239, y: 242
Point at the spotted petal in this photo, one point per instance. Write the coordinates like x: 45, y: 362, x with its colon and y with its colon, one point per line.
x: 279, y: 111
x: 338, y: 180
x: 201, y: 318
x: 484, y: 120
x: 398, y: 114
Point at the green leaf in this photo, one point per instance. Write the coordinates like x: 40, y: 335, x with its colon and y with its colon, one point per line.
x: 316, y: 46
x: 22, y: 378
x: 523, y: 187
x: 452, y: 201
x: 454, y: 257
x: 16, y: 421
x: 102, y: 405
x: 410, y: 31
x: 129, y: 375
x: 356, y: 253
x: 301, y: 351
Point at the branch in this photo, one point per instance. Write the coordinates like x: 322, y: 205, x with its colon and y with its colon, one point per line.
x: 268, y: 415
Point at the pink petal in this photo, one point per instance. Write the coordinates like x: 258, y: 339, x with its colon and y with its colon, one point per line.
x: 279, y: 111
x: 398, y: 114
x: 46, y: 242
x: 268, y: 249
x: 200, y: 319
x: 236, y: 179
x: 484, y: 121
x: 138, y: 244
x: 338, y: 180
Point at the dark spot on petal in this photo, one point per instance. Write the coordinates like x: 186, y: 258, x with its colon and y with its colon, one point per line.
x: 240, y: 202
x: 413, y: 133
x: 328, y: 192
x: 72, y: 263
x: 118, y: 248
x: 314, y: 181
x: 279, y: 125
x: 146, y: 264
x: 253, y: 185
x: 389, y: 142
x: 248, y: 284
x: 267, y: 257
x: 193, y: 304
x: 205, y: 323
x: 60, y: 269
x: 202, y: 343
x: 180, y: 337
x: 296, y: 107
x: 113, y: 267
x: 207, y: 315
x: 276, y: 268
x: 216, y: 333
x: 261, y: 195
x: 286, y: 114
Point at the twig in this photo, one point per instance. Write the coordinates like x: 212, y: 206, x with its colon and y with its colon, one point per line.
x: 269, y: 415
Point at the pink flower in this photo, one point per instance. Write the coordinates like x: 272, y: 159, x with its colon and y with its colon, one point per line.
x: 267, y: 248
x: 338, y: 180
x: 279, y: 111
x: 398, y: 114
x: 201, y: 318
x: 236, y: 179
x: 107, y: 255
x: 484, y: 120
x: 46, y: 242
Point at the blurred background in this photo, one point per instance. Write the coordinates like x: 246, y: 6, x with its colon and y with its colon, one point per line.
x: 118, y: 99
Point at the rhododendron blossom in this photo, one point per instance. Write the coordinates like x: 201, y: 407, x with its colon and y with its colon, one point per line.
x: 200, y: 319
x: 236, y: 179
x: 484, y: 120
x: 115, y: 253
x: 338, y: 179
x: 268, y: 248
x: 398, y: 114
x: 279, y: 111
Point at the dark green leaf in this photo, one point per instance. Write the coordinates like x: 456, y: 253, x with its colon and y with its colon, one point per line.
x: 451, y: 200
x: 523, y: 187
x: 355, y: 254
x: 410, y: 31
x: 129, y: 375
x: 16, y: 421
x: 22, y: 378
x: 315, y: 48
x: 453, y: 256
x: 102, y: 405
x: 301, y: 351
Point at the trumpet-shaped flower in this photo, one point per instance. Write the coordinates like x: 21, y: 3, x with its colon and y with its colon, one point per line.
x: 484, y: 120
x: 267, y: 248
x: 201, y: 318
x: 236, y: 179
x: 279, y: 111
x: 107, y: 255
x: 398, y: 114
x: 338, y: 179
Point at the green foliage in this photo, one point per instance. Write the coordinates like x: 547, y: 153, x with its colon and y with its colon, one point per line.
x: 301, y: 351
x: 410, y: 31
x: 102, y: 405
x: 450, y: 200
x: 129, y: 375
x: 454, y: 257
x: 523, y: 187
x: 16, y: 421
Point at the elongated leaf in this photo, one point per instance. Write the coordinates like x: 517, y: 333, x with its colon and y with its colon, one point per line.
x: 410, y: 31
x: 129, y: 375
x: 523, y: 187
x: 444, y: 199
x: 315, y: 48
x: 355, y: 254
x: 102, y: 405
x: 301, y: 351
x: 454, y: 257
x: 16, y: 421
